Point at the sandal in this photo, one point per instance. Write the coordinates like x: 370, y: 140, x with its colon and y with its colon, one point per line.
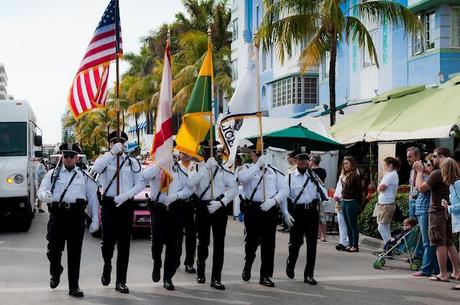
x: 437, y: 278
x: 353, y: 249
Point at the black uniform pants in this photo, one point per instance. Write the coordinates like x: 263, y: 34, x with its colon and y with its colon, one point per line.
x: 306, y: 224
x: 190, y: 236
x: 166, y: 225
x: 66, y: 225
x: 260, y: 229
x: 117, y: 226
x: 218, y: 223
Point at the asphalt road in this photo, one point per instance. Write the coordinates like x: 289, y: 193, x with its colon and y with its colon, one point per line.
x: 344, y: 278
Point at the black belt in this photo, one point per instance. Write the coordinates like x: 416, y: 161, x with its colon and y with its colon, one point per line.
x: 307, y: 206
x: 256, y: 202
x: 66, y: 205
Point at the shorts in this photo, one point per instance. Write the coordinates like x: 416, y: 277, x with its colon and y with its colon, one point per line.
x: 440, y: 229
x: 322, y: 215
x: 385, y: 213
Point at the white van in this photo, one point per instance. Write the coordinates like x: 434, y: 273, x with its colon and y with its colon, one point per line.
x: 20, y: 152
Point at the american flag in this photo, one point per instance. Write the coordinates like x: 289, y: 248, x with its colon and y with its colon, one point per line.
x: 89, y: 88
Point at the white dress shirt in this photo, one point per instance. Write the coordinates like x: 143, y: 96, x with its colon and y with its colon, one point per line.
x: 295, y: 186
x: 179, y: 184
x: 131, y: 181
x: 224, y: 182
x: 275, y: 183
x: 82, y: 187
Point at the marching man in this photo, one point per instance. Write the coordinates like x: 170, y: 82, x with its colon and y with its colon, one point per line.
x: 67, y: 190
x: 117, y: 211
x: 264, y: 188
x: 213, y: 196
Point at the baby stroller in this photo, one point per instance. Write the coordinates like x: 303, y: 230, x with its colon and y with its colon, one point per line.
x: 405, y: 247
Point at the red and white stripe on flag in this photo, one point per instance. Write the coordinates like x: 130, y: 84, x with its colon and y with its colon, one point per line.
x: 163, y: 138
x: 89, y: 88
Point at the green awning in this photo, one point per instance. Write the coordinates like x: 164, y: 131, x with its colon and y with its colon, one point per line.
x: 411, y: 113
x: 294, y: 137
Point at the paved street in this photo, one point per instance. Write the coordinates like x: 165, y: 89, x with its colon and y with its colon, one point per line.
x: 344, y: 278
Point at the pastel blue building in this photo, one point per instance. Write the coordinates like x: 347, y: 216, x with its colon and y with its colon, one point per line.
x: 404, y: 60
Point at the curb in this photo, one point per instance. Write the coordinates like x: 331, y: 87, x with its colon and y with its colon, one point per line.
x: 371, y: 241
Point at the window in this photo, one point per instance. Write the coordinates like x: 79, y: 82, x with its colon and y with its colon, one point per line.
x: 295, y: 90
x: 367, y: 60
x: 456, y: 27
x: 235, y: 29
x: 13, y: 139
x: 421, y: 44
x: 264, y: 61
x: 235, y: 70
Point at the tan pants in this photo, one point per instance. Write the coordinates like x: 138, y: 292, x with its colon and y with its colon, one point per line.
x: 385, y: 213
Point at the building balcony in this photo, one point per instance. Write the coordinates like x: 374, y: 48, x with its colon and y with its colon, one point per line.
x: 421, y: 5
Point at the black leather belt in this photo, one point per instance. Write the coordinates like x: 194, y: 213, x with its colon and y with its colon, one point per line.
x: 67, y: 205
x: 307, y: 206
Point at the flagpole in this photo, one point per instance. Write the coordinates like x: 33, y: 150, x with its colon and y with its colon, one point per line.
x: 259, y: 113
x: 117, y: 87
x: 211, y: 131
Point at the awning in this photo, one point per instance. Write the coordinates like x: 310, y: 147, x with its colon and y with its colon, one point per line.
x: 404, y: 114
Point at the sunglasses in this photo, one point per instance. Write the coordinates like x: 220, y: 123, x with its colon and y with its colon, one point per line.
x: 436, y: 155
x: 68, y: 156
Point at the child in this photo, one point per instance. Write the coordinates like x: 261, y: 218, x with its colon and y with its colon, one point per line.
x: 408, y: 224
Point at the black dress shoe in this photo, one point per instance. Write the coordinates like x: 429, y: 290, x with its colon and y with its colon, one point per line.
x: 190, y: 269
x: 310, y: 280
x: 105, y: 278
x: 246, y: 275
x: 168, y: 285
x: 156, y: 275
x: 266, y: 281
x: 201, y: 279
x: 76, y: 292
x: 340, y: 247
x: 56, y: 278
x: 218, y: 285
x: 122, y: 288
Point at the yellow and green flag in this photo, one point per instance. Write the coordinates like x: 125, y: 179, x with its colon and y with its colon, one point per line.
x: 196, y: 121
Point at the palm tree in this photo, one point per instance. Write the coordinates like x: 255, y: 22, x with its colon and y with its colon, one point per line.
x: 287, y: 23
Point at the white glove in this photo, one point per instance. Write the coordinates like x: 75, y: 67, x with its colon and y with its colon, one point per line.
x: 94, y: 226
x: 170, y: 199
x: 289, y: 220
x: 211, y: 163
x: 268, y: 204
x: 120, y: 199
x: 261, y: 161
x: 117, y: 148
x: 213, y: 206
x: 47, y: 197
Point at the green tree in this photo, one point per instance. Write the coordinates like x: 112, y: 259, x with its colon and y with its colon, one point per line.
x: 287, y: 23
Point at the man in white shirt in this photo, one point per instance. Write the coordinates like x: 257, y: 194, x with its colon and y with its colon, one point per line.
x: 66, y: 190
x: 214, y: 194
x: 167, y: 218
x: 304, y: 198
x: 265, y: 189
x: 117, y: 210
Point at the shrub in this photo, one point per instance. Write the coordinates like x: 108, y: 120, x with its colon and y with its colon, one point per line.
x: 368, y: 224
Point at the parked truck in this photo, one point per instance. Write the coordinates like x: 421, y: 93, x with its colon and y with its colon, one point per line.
x: 20, y: 153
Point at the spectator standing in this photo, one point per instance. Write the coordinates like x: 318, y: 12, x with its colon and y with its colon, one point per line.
x: 350, y: 201
x: 440, y: 229
x: 344, y: 243
x: 387, y: 195
x: 451, y: 176
x: 413, y: 155
x: 422, y: 203
x: 315, y: 160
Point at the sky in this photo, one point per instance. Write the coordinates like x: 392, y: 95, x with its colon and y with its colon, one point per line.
x: 43, y: 41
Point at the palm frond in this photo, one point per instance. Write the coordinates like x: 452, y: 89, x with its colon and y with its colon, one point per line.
x: 316, y: 48
x: 356, y: 31
x: 393, y: 12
